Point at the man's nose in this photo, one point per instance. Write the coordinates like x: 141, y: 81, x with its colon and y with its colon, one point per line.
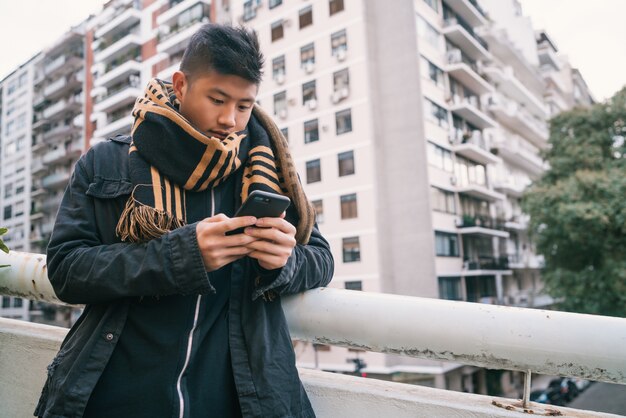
x: 227, y: 117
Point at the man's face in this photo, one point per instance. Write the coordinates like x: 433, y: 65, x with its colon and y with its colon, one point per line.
x: 214, y: 103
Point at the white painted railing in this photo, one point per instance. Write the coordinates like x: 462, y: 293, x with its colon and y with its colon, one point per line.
x: 497, y: 337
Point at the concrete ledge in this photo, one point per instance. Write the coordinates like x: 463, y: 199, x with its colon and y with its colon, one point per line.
x: 27, y: 348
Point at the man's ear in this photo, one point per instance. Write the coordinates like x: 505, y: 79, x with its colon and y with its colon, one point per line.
x: 180, y: 84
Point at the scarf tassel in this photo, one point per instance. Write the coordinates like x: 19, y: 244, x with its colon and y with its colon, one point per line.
x: 141, y: 223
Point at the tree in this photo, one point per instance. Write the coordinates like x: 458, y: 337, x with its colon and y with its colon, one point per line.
x: 578, y: 209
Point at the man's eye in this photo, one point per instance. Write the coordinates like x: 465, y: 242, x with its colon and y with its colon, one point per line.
x: 216, y: 101
x: 243, y: 108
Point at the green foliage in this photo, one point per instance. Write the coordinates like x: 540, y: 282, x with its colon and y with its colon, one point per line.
x: 578, y: 209
x: 3, y: 246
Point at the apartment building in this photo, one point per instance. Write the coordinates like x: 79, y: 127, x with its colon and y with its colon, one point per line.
x: 415, y: 146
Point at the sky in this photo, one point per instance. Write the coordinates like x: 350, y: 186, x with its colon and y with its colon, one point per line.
x: 591, y: 33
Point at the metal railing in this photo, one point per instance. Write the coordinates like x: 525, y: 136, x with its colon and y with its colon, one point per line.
x: 495, y: 337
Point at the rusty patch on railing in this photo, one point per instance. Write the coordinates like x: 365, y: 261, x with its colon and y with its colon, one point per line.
x: 535, y: 410
x: 486, y: 360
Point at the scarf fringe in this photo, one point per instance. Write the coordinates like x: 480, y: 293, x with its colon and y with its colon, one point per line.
x: 140, y: 223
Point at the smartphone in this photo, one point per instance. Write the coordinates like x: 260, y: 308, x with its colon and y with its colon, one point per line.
x: 262, y: 204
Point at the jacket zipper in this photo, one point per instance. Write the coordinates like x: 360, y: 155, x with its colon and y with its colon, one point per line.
x: 181, y: 399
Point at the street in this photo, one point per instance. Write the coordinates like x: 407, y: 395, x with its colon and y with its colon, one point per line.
x: 602, y: 397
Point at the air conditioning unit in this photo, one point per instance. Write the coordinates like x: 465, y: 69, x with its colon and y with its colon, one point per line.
x: 282, y: 113
x: 312, y: 104
x: 292, y: 102
x: 280, y: 78
x: 309, y: 67
x: 341, y: 55
x: 453, y: 180
x: 344, y: 92
x: 286, y: 23
x: 336, y: 97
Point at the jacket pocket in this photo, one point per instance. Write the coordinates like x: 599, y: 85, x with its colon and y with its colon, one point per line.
x: 108, y: 188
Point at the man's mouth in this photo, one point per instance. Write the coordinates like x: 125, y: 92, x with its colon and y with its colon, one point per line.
x: 219, y: 134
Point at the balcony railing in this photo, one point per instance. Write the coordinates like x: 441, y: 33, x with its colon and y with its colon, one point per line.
x: 526, y: 340
x: 486, y: 263
x: 457, y: 20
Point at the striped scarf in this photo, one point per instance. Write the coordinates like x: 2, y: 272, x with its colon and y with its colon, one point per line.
x: 169, y: 158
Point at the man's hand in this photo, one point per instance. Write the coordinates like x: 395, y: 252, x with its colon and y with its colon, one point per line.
x: 218, y: 249
x: 275, y: 240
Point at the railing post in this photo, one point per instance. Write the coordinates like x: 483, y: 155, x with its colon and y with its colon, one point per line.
x: 526, y: 397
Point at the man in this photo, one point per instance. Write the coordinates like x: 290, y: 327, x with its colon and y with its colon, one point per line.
x: 182, y: 320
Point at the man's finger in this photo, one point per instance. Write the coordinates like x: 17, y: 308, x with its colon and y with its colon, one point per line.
x: 234, y: 223
x: 220, y: 217
x: 278, y: 223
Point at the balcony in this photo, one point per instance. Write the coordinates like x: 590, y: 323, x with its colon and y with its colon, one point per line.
x: 517, y: 118
x: 36, y: 214
x: 128, y: 65
x: 56, y: 180
x: 121, y: 126
x: 60, y: 131
x: 481, y: 225
x: 65, y: 105
x: 121, y: 22
x: 497, y: 337
x: 118, y: 46
x: 469, y: 109
x: 466, y: 71
x: 468, y: 10
x: 508, y: 83
x: 64, y: 64
x: 37, y: 166
x: 509, y: 188
x: 118, y: 96
x: 37, y: 191
x: 472, y: 145
x: 173, y: 12
x: 516, y: 150
x: 62, y: 154
x: 177, y: 38
x: 482, y: 264
x: 480, y: 192
x: 462, y: 35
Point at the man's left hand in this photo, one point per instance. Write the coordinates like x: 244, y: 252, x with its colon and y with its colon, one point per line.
x: 276, y: 242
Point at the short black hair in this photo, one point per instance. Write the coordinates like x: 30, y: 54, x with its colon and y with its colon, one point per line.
x: 226, y: 49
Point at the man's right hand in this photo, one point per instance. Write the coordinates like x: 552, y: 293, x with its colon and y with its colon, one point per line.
x: 218, y: 249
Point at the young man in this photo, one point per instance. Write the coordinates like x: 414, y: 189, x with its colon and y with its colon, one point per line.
x: 182, y: 320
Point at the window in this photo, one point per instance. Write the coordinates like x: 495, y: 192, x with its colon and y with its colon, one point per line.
x: 308, y: 92
x: 339, y: 42
x: 285, y: 132
x: 306, y: 17
x: 8, y: 212
x: 19, y: 208
x: 341, y: 81
x: 274, y: 3
x: 311, y: 131
x: 280, y: 103
x: 440, y: 157
x: 313, y: 171
x: 307, y: 55
x: 446, y: 244
x: 427, y: 32
x: 353, y: 285
x: 450, y: 288
x: 17, y: 303
x: 277, y: 30
x: 430, y: 70
x: 6, y: 302
x: 343, y: 121
x: 351, y: 250
x: 346, y: 163
x: 278, y: 67
x: 318, y: 205
x: 442, y: 200
x: 436, y: 113
x: 348, y: 206
x: 468, y: 172
x: 335, y: 6
x: 8, y: 190
x: 249, y: 10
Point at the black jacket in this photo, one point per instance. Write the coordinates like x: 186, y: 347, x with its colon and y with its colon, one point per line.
x: 87, y: 264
